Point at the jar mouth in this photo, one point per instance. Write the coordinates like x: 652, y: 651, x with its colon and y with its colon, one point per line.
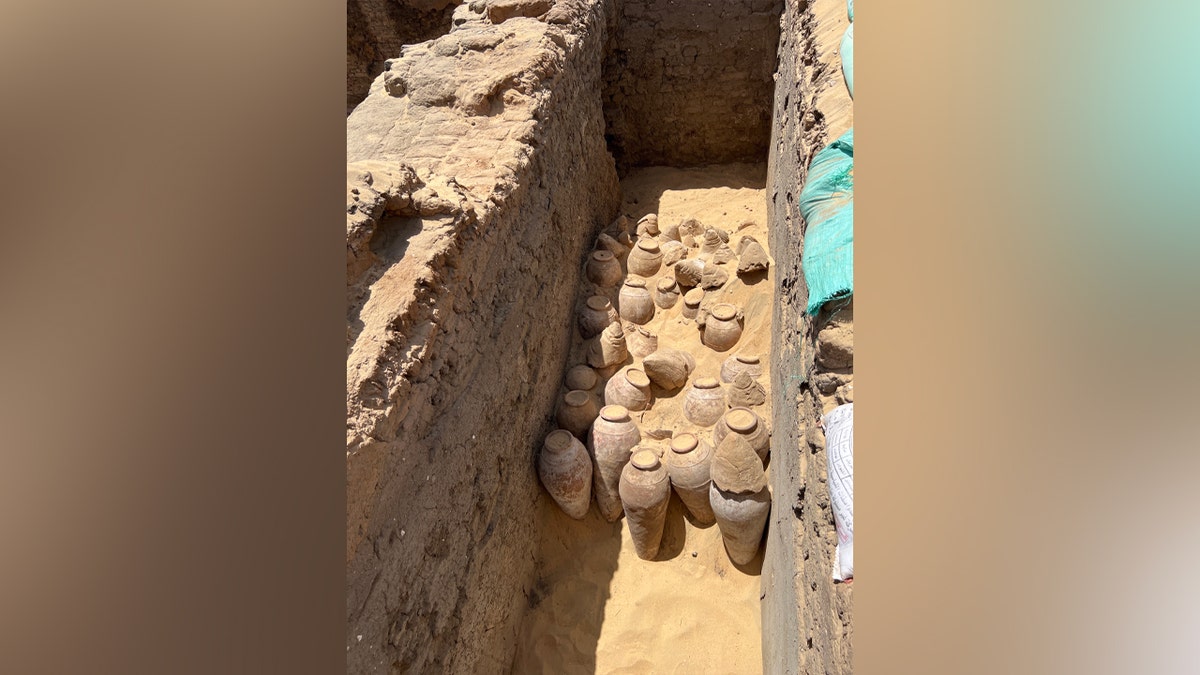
x: 576, y: 397
x: 694, y: 296
x: 602, y: 256
x: 705, y: 383
x: 598, y: 302
x: 741, y: 419
x: 747, y: 358
x: 684, y: 443
x: 559, y: 439
x: 666, y: 284
x: 724, y: 311
x: 615, y: 413
x: 646, y: 460
x: 635, y: 282
x: 637, y: 378
x: 648, y: 245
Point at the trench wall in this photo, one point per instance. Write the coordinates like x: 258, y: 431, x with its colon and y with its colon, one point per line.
x: 807, y: 619
x: 477, y: 176
x: 377, y: 29
x: 689, y: 82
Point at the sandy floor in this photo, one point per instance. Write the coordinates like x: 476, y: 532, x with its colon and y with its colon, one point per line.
x: 597, y: 608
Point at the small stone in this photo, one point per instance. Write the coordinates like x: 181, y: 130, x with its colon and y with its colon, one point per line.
x: 694, y: 554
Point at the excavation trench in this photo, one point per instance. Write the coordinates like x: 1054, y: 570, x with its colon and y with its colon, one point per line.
x: 482, y: 166
x: 595, y: 606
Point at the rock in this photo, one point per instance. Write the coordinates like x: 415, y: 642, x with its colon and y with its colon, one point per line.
x: 499, y: 11
x: 835, y: 346
x: 827, y: 383
x: 752, y: 258
x: 736, y: 467
x: 746, y: 392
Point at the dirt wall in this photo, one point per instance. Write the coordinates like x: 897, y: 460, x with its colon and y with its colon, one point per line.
x: 807, y: 619
x: 477, y: 176
x: 377, y: 29
x: 689, y: 82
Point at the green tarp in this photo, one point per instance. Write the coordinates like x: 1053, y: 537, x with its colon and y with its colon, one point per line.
x: 827, y: 205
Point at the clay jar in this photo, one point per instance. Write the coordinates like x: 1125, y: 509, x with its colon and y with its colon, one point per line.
x: 640, y: 341
x: 669, y: 368
x: 740, y: 363
x: 629, y: 388
x: 645, y: 491
x: 688, y: 466
x: 581, y: 377
x: 603, y: 269
x: 722, y: 327
x: 704, y: 402
x: 666, y: 293
x: 612, y: 440
x: 741, y: 518
x: 597, y: 313
x: 634, y: 301
x: 691, y: 302
x: 743, y: 421
x: 609, y: 349
x: 645, y: 259
x: 566, y: 471
x: 576, y: 412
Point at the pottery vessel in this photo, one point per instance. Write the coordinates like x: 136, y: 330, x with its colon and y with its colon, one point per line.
x: 691, y: 302
x: 740, y: 363
x: 688, y: 464
x: 745, y: 422
x: 666, y: 293
x: 576, y: 412
x: 745, y: 392
x: 566, y: 471
x: 605, y: 242
x: 647, y: 225
x: 597, y: 313
x: 641, y: 341
x: 634, y: 302
x: 645, y: 259
x: 629, y: 388
x: 603, y: 269
x: 669, y: 368
x: 704, y: 402
x: 609, y: 348
x: 741, y: 519
x: 581, y: 377
x: 722, y: 327
x: 645, y: 491
x: 613, y: 437
x: 689, y: 272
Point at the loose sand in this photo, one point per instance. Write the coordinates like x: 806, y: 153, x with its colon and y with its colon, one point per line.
x: 596, y: 607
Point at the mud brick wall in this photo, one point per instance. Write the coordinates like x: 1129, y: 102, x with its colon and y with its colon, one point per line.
x: 689, y: 82
x: 807, y: 619
x: 375, y: 31
x: 477, y: 177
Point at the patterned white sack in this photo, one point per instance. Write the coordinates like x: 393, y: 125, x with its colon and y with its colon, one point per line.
x: 839, y: 446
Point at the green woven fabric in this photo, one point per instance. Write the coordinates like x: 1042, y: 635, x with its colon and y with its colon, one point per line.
x: 827, y: 205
